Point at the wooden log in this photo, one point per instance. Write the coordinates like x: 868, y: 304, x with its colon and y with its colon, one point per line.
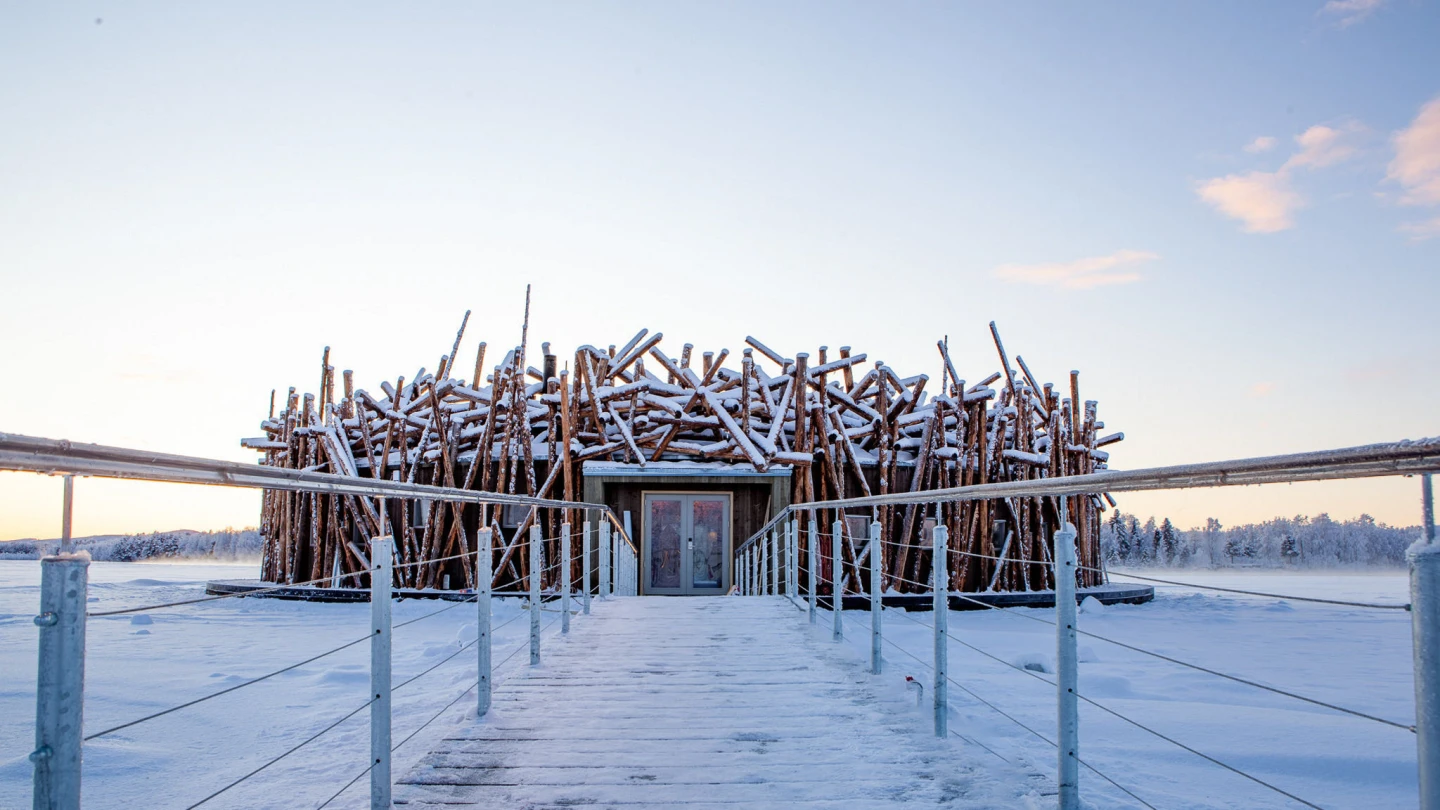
x: 737, y: 434
x: 626, y: 435
x: 767, y: 351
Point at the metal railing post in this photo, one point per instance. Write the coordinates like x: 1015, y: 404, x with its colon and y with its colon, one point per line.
x: 792, y: 561
x: 750, y: 571
x: 876, y: 665
x: 1427, y: 508
x: 772, y: 567
x: 761, y: 567
x: 783, y: 585
x: 483, y: 576
x: 941, y: 569
x: 382, y: 559
x: 632, y: 576
x: 837, y: 578
x: 585, y: 567
x: 535, y: 564
x: 564, y: 578
x: 607, y: 587
x: 1424, y: 561
x: 813, y: 554
x: 66, y: 523
x: 60, y: 682
x: 758, y: 557
x: 1067, y: 670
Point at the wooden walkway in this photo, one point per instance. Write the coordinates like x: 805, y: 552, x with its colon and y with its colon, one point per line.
x: 697, y: 702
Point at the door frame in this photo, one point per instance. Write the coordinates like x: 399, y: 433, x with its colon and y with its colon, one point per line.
x: 727, y: 545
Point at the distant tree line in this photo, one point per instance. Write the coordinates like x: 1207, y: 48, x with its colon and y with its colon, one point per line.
x: 224, y: 544
x: 1298, y: 542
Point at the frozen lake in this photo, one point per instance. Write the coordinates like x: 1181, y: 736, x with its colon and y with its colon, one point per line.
x: 1354, y: 657
x: 135, y: 669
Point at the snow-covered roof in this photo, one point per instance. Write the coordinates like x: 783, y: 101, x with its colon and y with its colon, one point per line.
x: 697, y: 468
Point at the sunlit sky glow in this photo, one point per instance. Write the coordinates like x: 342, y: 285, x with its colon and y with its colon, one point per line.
x: 1225, y: 215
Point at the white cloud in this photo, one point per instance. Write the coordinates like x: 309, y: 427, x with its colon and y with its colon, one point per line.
x: 1262, y: 389
x: 1420, y: 231
x: 1322, y: 146
x: 1262, y: 200
x: 1349, y: 12
x: 1079, y: 274
x: 1416, y: 166
x: 1264, y: 143
x: 1265, y: 201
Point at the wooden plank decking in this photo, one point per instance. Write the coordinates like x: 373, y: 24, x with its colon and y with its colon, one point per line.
x: 695, y: 702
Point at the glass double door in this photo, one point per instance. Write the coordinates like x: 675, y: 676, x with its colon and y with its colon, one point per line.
x: 687, y: 543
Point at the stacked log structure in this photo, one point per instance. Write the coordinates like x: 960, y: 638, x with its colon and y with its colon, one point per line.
x: 844, y: 426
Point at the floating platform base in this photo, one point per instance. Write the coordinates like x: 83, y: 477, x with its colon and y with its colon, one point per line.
x: 1107, y: 594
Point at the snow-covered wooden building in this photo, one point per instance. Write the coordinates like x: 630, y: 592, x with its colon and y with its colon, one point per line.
x: 698, y: 450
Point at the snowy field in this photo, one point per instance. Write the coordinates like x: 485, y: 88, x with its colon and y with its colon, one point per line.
x: 134, y: 668
x: 1354, y: 657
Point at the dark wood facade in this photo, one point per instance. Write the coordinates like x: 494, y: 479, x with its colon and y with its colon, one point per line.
x: 755, y: 498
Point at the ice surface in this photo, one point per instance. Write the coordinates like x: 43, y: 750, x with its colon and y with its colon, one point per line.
x: 1350, y: 656
x: 134, y: 668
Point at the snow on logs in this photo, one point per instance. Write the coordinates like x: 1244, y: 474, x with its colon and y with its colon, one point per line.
x: 844, y: 431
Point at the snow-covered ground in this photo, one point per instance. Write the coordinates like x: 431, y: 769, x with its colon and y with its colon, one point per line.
x: 134, y: 668
x: 1354, y: 657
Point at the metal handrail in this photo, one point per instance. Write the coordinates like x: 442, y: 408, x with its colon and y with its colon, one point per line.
x: 58, y: 456
x: 1405, y: 457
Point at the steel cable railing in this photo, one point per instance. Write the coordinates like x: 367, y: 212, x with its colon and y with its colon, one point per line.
x: 518, y: 649
x: 1011, y: 718
x: 1139, y: 725
x: 1290, y: 597
x: 970, y: 599
x: 1197, y: 667
x: 292, y: 750
x: 393, y: 689
x: 61, y: 692
x: 282, y: 670
x: 226, y: 690
x: 1200, y: 668
x: 317, y: 735
x: 253, y: 681
x: 215, y: 597
x: 764, y: 572
x: 1198, y: 586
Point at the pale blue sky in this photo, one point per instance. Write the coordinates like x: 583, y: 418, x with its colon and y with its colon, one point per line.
x: 195, y: 199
